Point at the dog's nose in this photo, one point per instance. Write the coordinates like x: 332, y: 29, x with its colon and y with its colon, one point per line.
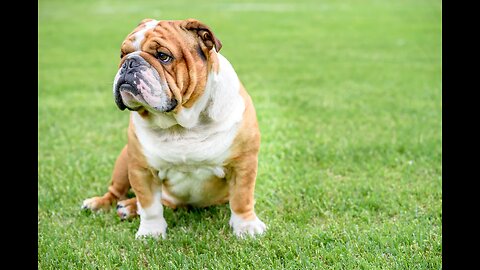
x: 130, y: 63
x: 133, y: 62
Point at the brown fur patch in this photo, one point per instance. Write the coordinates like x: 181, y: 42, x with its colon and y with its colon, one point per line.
x: 142, y: 179
x: 244, y: 162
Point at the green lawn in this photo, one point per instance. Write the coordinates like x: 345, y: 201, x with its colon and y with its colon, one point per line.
x: 348, y: 96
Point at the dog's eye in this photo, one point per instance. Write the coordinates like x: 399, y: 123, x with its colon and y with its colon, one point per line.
x: 164, y: 58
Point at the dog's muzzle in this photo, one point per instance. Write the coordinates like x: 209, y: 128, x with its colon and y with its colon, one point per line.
x: 137, y: 85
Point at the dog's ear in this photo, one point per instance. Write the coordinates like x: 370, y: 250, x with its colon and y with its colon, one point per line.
x: 204, y: 32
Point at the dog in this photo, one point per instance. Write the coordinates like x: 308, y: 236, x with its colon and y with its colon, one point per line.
x: 193, y: 135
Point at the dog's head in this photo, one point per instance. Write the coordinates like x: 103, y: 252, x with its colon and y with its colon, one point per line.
x: 164, y: 65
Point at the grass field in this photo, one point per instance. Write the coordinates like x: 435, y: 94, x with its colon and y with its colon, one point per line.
x: 348, y: 96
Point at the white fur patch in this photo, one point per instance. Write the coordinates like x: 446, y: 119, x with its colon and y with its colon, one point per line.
x: 220, y: 101
x: 243, y: 227
x: 188, y: 181
x: 152, y: 222
x: 153, y: 91
x: 170, y: 199
x: 140, y: 35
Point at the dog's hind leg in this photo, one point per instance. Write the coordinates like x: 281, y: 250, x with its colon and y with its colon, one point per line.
x: 127, y: 209
x: 118, y: 188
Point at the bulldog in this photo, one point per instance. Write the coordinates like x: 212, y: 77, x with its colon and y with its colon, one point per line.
x: 193, y: 136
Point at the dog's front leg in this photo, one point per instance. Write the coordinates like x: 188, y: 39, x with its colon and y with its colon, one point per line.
x: 148, y: 190
x: 242, y: 184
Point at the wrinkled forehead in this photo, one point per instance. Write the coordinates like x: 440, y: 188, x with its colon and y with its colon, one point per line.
x: 137, y: 36
x: 153, y: 33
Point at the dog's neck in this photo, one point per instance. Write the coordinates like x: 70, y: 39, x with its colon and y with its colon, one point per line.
x: 220, y: 104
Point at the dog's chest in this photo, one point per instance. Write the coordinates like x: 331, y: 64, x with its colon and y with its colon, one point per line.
x: 187, y: 160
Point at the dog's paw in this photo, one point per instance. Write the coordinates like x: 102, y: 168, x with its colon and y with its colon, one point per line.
x: 242, y: 228
x: 97, y: 203
x: 127, y: 209
x: 152, y: 228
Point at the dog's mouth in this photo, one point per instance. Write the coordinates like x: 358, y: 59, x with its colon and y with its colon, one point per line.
x: 128, y: 97
x: 124, y: 97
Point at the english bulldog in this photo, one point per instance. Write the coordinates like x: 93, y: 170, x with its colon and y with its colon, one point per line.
x: 193, y: 136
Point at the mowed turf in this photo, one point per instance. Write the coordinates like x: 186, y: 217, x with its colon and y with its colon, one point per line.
x: 348, y: 97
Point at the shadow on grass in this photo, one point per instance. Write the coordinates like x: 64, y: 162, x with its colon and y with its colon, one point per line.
x: 197, y: 218
x: 190, y: 218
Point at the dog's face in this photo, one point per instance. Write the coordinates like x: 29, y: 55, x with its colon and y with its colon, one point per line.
x: 164, y: 65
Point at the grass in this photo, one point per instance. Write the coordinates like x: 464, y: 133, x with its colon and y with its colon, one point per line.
x: 348, y: 97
